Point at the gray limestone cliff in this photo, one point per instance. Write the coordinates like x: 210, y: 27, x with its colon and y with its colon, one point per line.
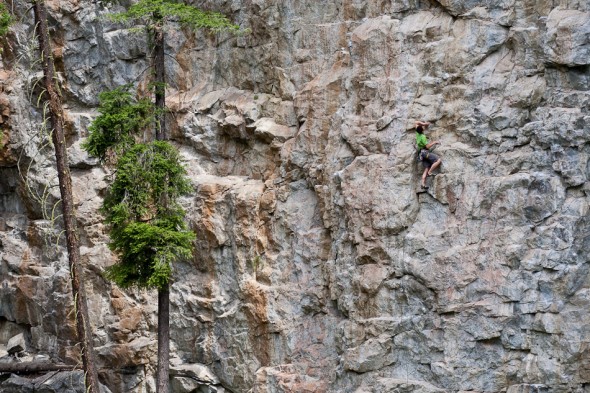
x: 320, y: 265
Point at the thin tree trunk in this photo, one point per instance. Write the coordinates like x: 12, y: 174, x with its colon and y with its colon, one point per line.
x: 163, y: 377
x: 65, y: 187
x: 163, y: 372
x: 160, y: 82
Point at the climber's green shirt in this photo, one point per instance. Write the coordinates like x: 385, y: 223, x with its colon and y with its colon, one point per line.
x: 421, y: 141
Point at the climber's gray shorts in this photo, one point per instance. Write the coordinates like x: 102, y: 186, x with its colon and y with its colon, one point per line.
x: 428, y: 159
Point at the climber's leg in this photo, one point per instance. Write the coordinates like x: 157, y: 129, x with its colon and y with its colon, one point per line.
x: 434, y: 166
x: 424, y: 177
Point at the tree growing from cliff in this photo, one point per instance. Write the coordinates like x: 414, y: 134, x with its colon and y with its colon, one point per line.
x: 155, y: 14
x: 54, y: 109
x: 146, y: 222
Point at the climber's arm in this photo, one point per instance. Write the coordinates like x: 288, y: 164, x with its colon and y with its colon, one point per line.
x: 432, y: 144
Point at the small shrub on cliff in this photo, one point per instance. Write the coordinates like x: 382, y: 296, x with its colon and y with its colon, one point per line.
x: 5, y: 19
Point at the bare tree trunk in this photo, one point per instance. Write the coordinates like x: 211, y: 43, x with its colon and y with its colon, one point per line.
x: 163, y: 372
x: 65, y: 187
x: 163, y: 377
x: 160, y: 82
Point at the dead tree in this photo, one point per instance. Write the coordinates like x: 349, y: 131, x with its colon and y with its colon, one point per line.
x: 54, y: 107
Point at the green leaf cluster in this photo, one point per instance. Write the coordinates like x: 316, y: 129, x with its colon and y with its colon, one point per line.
x: 148, y: 231
x: 150, y: 177
x: 147, y: 227
x: 147, y: 252
x: 155, y: 12
x: 122, y: 117
x: 5, y: 19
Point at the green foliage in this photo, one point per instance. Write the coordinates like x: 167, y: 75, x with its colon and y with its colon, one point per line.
x: 146, y: 253
x: 256, y: 262
x: 155, y: 12
x: 147, y: 224
x: 149, y: 176
x: 122, y: 117
x: 5, y: 19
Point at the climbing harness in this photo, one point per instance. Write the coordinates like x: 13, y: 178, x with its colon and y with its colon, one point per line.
x: 423, y: 155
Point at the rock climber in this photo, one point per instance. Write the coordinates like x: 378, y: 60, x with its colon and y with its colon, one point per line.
x: 430, y: 161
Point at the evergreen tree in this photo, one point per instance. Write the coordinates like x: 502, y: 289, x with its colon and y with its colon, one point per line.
x: 155, y: 14
x: 147, y: 227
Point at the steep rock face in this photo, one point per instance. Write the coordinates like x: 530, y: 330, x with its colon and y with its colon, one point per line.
x: 320, y: 266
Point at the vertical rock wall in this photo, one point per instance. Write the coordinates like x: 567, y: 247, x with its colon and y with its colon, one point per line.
x: 320, y: 265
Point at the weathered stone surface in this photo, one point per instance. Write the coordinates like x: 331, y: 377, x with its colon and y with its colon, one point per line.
x: 16, y: 344
x: 383, y: 122
x: 71, y: 381
x: 268, y: 130
x: 391, y: 385
x: 198, y: 372
x: 188, y: 385
x: 194, y: 378
x: 320, y: 266
x: 369, y: 356
x: 567, y: 37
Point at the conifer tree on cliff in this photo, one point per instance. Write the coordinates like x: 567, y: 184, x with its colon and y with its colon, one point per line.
x: 147, y: 229
x: 56, y: 120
